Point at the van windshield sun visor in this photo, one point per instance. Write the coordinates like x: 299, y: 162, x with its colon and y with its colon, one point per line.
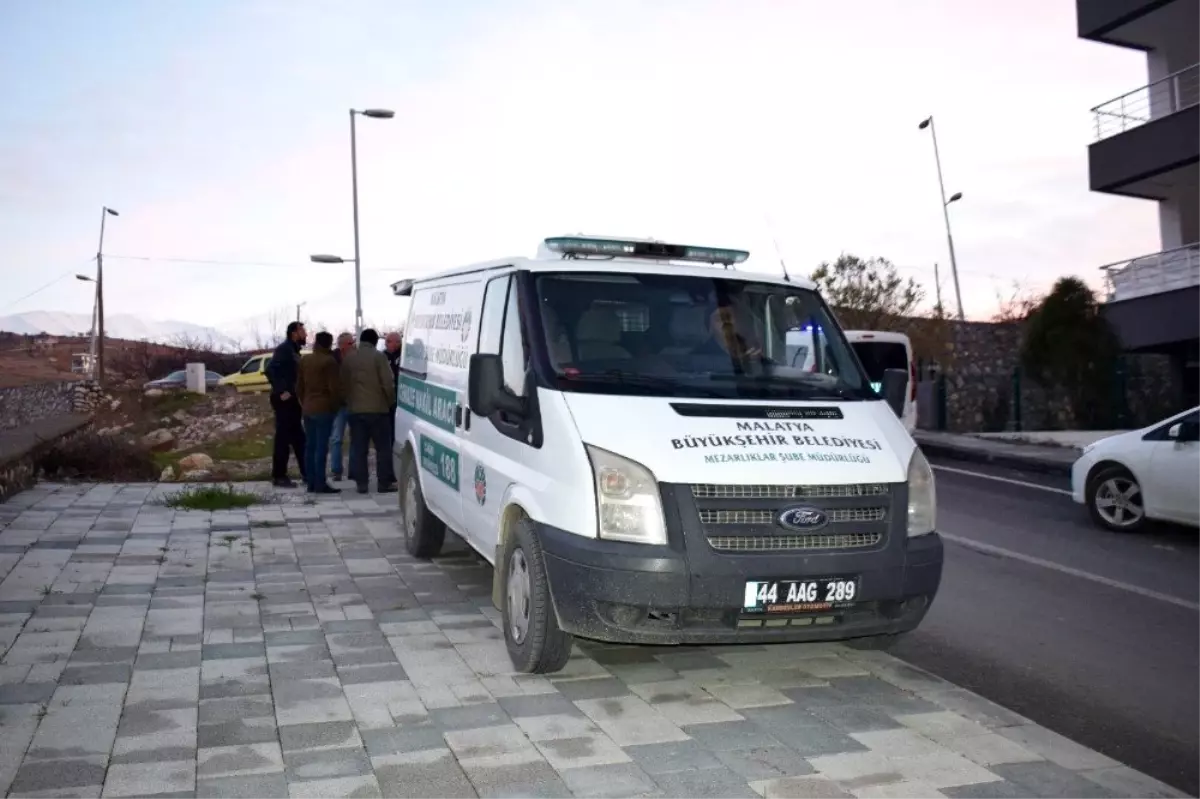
x: 756, y: 411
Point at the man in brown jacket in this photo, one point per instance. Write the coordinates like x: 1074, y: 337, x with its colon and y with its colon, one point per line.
x: 318, y: 385
x: 370, y: 392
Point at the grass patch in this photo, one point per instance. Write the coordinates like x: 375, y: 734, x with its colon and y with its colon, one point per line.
x: 213, y: 497
x: 173, y: 401
x: 242, y: 449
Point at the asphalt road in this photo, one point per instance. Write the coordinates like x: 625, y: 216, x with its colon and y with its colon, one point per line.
x: 1093, y: 634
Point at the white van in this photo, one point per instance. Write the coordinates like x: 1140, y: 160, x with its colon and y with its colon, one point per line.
x: 880, y: 350
x: 613, y: 425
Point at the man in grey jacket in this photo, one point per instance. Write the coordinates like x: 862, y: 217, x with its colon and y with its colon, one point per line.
x: 369, y: 393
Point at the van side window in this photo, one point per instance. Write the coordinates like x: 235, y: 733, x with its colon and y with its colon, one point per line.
x: 512, y: 351
x: 491, y: 321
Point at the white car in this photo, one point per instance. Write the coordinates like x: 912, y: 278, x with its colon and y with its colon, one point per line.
x: 1152, y: 473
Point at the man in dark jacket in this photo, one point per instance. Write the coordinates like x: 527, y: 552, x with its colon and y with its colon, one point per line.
x: 319, y: 389
x: 282, y: 371
x: 370, y: 391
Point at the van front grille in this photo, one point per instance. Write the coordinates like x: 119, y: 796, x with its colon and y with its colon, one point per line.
x: 710, y: 516
x: 710, y: 491
x: 781, y: 543
x: 744, y: 519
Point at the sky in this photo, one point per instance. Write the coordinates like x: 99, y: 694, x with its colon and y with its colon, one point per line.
x: 219, y: 129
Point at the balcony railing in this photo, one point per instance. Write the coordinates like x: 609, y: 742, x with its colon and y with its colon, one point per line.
x: 1164, y: 271
x: 1162, y: 98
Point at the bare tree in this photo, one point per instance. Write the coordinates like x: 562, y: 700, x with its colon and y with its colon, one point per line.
x: 867, y: 293
x: 1018, y: 305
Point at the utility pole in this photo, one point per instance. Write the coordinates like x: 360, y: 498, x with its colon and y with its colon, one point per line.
x: 105, y: 212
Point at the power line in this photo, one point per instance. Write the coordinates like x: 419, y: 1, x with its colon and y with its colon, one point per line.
x: 61, y: 277
x: 268, y: 264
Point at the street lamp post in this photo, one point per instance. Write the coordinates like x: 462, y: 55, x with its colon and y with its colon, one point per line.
x: 928, y: 123
x: 92, y: 331
x: 105, y: 212
x: 373, y: 113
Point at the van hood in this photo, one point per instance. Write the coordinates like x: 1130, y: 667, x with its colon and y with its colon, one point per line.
x: 748, y: 442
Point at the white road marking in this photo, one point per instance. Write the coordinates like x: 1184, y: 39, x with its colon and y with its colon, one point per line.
x: 1058, y: 567
x: 1008, y: 480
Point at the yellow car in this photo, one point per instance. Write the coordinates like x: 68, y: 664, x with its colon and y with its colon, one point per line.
x: 252, y: 377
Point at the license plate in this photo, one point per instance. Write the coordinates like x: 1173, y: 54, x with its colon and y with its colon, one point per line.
x: 799, y: 596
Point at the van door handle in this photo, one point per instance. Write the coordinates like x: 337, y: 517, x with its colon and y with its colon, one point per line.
x: 458, y: 416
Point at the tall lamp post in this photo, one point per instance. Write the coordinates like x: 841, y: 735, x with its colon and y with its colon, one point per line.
x: 105, y: 212
x: 373, y: 113
x: 928, y: 123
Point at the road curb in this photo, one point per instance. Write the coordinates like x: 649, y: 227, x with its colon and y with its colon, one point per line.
x: 1029, y: 463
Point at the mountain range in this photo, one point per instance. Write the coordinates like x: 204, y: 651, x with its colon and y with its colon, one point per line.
x: 124, y: 326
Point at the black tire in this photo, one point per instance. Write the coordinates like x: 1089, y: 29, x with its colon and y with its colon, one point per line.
x: 1099, y: 487
x: 877, y: 643
x: 544, y: 648
x: 424, y: 533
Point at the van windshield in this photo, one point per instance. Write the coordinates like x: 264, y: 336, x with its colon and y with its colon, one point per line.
x: 678, y: 335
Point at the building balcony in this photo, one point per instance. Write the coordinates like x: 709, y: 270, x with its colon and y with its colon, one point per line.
x: 1147, y: 141
x: 1164, y: 97
x: 1154, y: 301
x: 1170, y: 270
x: 1126, y: 23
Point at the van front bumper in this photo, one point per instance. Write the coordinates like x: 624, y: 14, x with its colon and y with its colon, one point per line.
x: 639, y: 594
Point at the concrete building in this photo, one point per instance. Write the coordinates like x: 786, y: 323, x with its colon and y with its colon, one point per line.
x: 1147, y: 145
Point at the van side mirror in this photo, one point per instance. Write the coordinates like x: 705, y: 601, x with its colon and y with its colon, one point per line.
x: 895, y: 389
x: 1184, y: 431
x: 486, y: 393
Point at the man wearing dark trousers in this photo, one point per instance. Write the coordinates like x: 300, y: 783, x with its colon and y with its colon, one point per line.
x: 369, y: 392
x: 282, y: 372
x: 320, y: 392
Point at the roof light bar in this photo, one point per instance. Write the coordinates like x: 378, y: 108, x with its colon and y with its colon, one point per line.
x: 580, y: 247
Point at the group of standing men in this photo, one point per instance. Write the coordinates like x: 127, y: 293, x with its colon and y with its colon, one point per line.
x: 318, y: 396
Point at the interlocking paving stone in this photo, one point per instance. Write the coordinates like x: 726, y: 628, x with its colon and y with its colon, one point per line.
x: 325, y: 661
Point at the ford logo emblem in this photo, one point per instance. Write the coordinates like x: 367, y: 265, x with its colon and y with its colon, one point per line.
x: 802, y: 519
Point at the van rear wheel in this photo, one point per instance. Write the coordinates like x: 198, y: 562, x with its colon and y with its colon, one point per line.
x: 535, y: 643
x: 424, y: 533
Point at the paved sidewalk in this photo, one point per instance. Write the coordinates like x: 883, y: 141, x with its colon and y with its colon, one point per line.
x: 295, y: 650
x: 1030, y: 457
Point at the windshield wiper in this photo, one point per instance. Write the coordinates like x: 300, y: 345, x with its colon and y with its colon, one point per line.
x: 623, y: 377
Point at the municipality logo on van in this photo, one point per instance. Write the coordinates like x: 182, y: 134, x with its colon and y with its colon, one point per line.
x: 802, y: 519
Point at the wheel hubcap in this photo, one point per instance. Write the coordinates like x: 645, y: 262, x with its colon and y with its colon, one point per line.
x: 1119, y: 502
x: 410, y: 506
x: 518, y: 596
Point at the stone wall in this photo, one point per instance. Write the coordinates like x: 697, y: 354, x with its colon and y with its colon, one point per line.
x: 21, y: 405
x: 978, y: 361
x: 19, y: 463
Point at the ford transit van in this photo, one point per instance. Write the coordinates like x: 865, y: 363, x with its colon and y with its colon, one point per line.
x: 617, y: 426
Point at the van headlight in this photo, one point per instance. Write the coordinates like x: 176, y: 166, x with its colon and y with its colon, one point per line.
x: 627, y: 501
x: 922, y: 496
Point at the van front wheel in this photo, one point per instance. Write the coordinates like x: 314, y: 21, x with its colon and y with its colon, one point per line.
x: 424, y: 533
x: 535, y: 643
